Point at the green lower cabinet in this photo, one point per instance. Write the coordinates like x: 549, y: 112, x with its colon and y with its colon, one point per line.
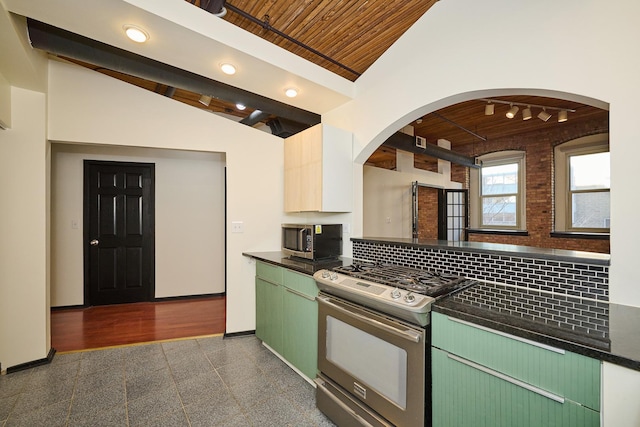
x: 486, y: 378
x: 301, y: 332
x: 467, y: 395
x: 269, y: 313
x: 287, y: 315
x: 557, y: 371
x: 300, y: 322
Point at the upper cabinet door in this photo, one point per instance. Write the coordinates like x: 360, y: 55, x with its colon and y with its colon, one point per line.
x: 318, y: 170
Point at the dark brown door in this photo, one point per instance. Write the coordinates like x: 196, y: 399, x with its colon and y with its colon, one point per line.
x: 119, y: 232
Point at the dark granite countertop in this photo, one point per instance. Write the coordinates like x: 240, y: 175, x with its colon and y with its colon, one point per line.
x: 595, y: 329
x: 297, y: 264
x: 496, y: 248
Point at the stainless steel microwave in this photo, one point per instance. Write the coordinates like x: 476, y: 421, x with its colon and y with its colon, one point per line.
x: 312, y: 241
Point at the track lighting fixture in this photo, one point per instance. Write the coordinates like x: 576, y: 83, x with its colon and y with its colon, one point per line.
x: 526, y: 112
x: 562, y: 116
x: 544, y: 116
x: 489, y: 109
x: 205, y: 99
x: 512, y: 111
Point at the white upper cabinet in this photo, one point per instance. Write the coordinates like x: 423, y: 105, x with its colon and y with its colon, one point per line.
x: 318, y: 170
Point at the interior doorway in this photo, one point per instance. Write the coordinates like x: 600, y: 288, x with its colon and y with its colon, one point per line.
x: 439, y: 213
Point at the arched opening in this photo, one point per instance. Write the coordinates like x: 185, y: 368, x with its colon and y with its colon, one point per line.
x: 474, y: 125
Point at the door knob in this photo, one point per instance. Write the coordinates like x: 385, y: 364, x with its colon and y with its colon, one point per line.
x: 94, y: 242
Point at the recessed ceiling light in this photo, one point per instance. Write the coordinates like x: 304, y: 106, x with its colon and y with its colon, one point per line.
x: 136, y: 33
x: 291, y: 92
x: 228, y: 68
x: 241, y: 106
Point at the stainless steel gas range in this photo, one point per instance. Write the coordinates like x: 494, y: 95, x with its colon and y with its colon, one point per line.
x: 373, y: 342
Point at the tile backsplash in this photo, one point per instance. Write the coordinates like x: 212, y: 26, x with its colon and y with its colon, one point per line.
x: 588, y: 317
x: 577, y: 279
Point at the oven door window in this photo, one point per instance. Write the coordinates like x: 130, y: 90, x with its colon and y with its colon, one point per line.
x: 378, y: 363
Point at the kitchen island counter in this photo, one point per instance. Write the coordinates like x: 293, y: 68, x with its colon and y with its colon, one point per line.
x: 592, y: 328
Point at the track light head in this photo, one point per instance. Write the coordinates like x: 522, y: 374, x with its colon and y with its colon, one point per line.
x: 512, y: 111
x: 544, y: 116
x: 489, y: 109
x: 526, y: 113
x: 562, y: 116
x: 205, y: 99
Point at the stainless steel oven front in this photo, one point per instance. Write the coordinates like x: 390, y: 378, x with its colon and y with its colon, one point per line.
x: 373, y: 368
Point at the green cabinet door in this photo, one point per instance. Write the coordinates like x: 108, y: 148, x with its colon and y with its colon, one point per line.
x: 466, y: 394
x: 287, y: 315
x: 567, y: 374
x: 269, y: 313
x: 300, y: 322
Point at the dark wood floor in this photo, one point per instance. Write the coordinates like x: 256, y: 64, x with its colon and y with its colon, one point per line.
x: 121, y: 324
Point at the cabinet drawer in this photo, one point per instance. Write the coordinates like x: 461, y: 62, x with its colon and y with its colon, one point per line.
x: 468, y: 395
x: 301, y: 283
x: 268, y: 272
x: 572, y: 376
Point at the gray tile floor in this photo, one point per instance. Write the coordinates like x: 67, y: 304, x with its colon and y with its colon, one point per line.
x: 196, y: 382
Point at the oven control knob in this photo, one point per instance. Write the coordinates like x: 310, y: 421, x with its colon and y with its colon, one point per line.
x: 333, y: 276
x: 395, y: 294
x: 409, y: 297
x: 325, y: 274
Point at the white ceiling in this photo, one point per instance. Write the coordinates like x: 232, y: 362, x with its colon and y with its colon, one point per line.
x: 186, y: 37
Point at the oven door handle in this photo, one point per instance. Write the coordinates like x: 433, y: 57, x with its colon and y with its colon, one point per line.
x: 409, y: 335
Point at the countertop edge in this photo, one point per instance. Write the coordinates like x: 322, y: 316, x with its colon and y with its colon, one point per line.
x: 281, y: 259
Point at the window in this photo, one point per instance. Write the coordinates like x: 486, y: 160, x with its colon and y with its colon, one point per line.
x: 583, y: 185
x: 498, y: 191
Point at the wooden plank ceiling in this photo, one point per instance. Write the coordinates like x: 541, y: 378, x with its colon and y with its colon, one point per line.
x: 355, y: 34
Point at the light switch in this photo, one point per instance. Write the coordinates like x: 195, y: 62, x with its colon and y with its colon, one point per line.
x: 237, y: 227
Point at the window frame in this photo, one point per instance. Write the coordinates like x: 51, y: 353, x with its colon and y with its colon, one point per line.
x: 498, y: 159
x: 562, y: 189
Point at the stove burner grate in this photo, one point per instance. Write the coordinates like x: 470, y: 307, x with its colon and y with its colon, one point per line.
x: 426, y: 282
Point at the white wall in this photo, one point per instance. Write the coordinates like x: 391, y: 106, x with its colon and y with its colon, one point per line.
x: 88, y: 108
x: 24, y: 242
x: 189, y: 223
x: 387, y: 200
x: 573, y: 49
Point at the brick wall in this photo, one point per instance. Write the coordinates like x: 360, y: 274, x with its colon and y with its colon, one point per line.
x: 539, y: 185
x: 428, y: 213
x: 539, y: 190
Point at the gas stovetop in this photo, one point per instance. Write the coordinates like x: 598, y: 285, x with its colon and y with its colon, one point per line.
x: 425, y: 282
x: 403, y: 292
